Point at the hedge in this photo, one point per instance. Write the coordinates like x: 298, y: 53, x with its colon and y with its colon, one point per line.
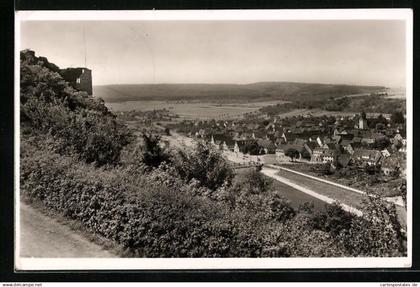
x: 152, y: 214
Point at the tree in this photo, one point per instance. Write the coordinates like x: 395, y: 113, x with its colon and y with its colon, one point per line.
x: 252, y: 148
x: 397, y: 117
x: 292, y: 153
x: 205, y: 164
x: 167, y: 131
x: 253, y: 182
x: 152, y: 153
x: 333, y: 220
x: 381, y: 142
x: 380, y: 126
x: 377, y: 232
x: 363, y: 115
x: 306, y: 154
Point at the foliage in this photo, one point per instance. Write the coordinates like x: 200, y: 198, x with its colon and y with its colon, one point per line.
x: 252, y: 148
x: 381, y: 143
x: 306, y: 154
x: 325, y: 169
x: 337, y: 104
x: 369, y: 103
x: 397, y: 117
x: 333, y: 220
x: 79, y: 123
x: 153, y: 154
x: 292, y: 153
x: 156, y: 214
x: 377, y: 233
x: 379, y: 122
x: 204, y: 164
x: 253, y: 182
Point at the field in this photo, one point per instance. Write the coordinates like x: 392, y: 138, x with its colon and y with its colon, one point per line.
x: 223, y: 101
x: 228, y: 93
x: 193, y: 110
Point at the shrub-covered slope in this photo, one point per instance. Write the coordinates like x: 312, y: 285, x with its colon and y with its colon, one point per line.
x: 78, y: 123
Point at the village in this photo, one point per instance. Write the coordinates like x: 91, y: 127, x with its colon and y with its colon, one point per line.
x: 371, y: 145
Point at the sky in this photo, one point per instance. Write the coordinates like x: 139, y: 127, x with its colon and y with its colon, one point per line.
x: 364, y: 52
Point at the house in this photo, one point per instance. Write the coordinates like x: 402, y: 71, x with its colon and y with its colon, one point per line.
x: 329, y: 156
x: 336, y: 138
x: 343, y: 160
x: 362, y: 123
x: 385, y: 153
x: 267, y: 145
x: 281, y: 153
x: 289, y: 136
x: 237, y: 148
x: 319, y: 141
x: 349, y: 148
x: 299, y: 142
x: 398, y: 137
x: 228, y: 145
x: 369, y: 156
x: 310, y: 146
x: 318, y: 154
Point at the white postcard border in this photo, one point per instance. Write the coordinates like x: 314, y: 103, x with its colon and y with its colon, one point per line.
x: 216, y: 263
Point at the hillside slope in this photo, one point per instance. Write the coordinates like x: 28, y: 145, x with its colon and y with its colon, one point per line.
x: 263, y: 91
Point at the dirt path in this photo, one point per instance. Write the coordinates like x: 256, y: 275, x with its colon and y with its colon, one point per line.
x: 42, y: 236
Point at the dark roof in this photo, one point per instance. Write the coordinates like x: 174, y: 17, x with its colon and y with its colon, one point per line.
x: 312, y: 145
x: 266, y: 144
x: 344, y: 159
x: 220, y: 138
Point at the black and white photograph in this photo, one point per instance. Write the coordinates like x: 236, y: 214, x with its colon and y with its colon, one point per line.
x: 213, y: 139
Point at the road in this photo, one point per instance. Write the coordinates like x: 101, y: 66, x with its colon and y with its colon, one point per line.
x: 316, y: 193
x: 42, y: 236
x: 349, y: 200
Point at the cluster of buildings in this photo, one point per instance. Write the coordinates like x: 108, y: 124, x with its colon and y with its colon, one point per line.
x: 339, y: 140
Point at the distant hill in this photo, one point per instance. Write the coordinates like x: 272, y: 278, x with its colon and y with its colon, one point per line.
x: 262, y: 91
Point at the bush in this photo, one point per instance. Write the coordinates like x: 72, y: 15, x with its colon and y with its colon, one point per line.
x: 152, y: 154
x: 154, y: 214
x: 333, y: 220
x: 292, y: 153
x: 377, y: 233
x: 204, y: 164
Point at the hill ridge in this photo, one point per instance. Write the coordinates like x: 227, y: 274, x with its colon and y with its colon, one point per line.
x: 259, y: 91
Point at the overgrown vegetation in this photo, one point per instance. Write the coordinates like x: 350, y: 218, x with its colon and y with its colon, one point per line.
x: 78, y: 124
x: 78, y: 161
